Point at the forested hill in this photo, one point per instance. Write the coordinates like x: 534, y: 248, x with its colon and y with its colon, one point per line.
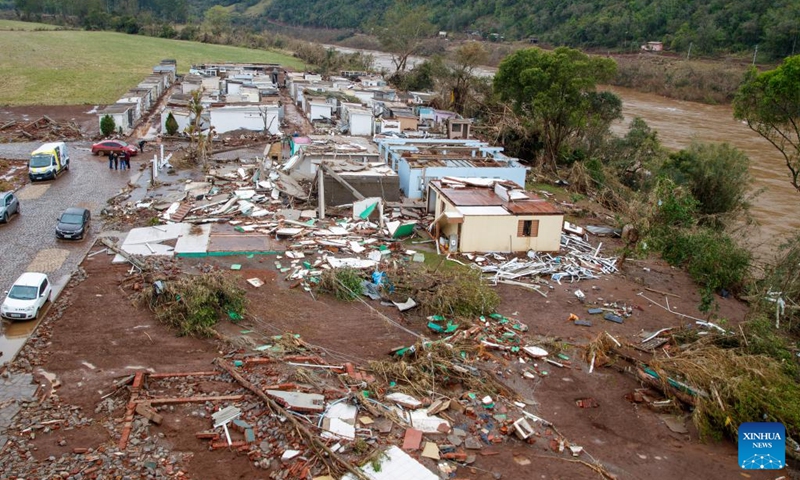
x: 709, y: 26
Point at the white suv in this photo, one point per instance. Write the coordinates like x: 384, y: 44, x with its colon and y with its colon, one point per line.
x: 27, y: 296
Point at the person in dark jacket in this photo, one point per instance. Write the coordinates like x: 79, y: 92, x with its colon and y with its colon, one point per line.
x: 112, y: 157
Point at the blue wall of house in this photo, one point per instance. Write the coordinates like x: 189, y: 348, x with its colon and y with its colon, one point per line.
x: 412, y: 186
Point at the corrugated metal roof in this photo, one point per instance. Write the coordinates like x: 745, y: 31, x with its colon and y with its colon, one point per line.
x: 485, y: 197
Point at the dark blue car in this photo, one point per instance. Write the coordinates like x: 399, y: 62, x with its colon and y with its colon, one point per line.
x: 73, y: 223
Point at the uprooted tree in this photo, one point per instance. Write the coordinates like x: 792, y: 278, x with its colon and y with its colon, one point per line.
x: 193, y: 304
x: 769, y: 103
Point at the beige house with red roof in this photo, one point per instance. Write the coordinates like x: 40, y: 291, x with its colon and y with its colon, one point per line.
x: 490, y: 215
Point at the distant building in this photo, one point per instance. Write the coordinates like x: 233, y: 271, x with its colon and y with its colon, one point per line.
x: 653, y: 47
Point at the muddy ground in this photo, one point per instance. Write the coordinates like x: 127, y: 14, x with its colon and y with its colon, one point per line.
x: 100, y: 335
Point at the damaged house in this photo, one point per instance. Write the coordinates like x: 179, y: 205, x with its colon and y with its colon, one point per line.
x: 484, y: 215
x: 417, y: 161
x: 351, y: 168
x: 240, y: 97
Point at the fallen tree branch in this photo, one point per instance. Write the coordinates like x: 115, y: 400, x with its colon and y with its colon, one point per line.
x: 273, y: 406
x: 597, y: 468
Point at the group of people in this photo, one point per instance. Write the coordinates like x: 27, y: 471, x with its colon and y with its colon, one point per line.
x: 119, y: 161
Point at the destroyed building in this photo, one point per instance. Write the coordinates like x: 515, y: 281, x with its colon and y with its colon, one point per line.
x: 418, y: 161
x: 352, y: 163
x: 485, y: 215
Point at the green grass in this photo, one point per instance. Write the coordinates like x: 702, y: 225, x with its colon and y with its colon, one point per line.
x: 28, y: 26
x: 78, y: 67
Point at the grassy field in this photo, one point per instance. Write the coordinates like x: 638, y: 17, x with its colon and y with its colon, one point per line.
x: 15, y: 25
x: 95, y: 68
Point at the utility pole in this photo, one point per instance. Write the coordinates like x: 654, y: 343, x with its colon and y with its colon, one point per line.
x: 754, y: 56
x: 689, y: 53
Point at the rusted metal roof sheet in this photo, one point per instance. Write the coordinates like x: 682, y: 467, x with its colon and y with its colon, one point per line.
x: 483, y: 196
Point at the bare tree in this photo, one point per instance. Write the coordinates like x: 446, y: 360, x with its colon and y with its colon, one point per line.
x: 402, y: 32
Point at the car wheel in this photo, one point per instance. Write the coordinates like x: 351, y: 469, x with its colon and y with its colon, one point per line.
x: 96, y: 153
x: 5, y: 218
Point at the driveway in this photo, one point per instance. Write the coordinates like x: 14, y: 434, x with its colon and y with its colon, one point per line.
x: 27, y: 242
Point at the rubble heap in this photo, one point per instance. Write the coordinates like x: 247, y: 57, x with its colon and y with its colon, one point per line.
x: 43, y: 129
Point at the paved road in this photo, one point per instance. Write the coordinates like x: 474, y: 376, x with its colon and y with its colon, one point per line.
x: 27, y: 242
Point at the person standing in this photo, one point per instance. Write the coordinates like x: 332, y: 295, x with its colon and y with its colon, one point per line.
x: 116, y: 160
x: 122, y: 157
x: 111, y: 157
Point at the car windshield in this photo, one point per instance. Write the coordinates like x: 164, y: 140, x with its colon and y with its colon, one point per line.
x: 120, y: 143
x: 41, y: 160
x: 73, y: 218
x: 22, y: 292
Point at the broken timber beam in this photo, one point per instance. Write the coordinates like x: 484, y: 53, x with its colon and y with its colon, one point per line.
x: 217, y: 398
x: 127, y: 256
x: 183, y: 374
x: 341, y: 180
x: 312, y: 439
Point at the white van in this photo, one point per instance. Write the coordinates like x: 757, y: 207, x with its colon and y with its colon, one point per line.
x: 48, y: 161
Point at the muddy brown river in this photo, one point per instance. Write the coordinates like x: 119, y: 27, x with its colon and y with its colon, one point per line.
x: 677, y: 122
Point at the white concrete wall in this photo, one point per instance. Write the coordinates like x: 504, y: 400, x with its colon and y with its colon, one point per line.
x: 360, y: 123
x: 226, y: 119
x: 318, y: 111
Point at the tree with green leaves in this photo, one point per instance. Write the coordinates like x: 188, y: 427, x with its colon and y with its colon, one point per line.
x: 553, y: 92
x: 171, y: 125
x: 718, y: 177
x: 107, y: 125
x: 402, y: 30
x: 217, y: 19
x: 769, y: 103
x: 463, y: 63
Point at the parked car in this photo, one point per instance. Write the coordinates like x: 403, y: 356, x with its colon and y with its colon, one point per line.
x: 118, y: 146
x: 73, y: 223
x: 48, y: 161
x: 9, y: 205
x: 27, y: 296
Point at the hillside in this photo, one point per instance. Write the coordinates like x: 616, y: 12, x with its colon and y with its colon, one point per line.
x: 78, y: 67
x: 710, y: 27
x: 713, y: 26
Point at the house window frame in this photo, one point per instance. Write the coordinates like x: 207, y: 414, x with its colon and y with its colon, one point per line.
x: 528, y: 228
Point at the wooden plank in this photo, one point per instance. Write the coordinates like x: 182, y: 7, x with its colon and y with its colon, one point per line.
x: 148, y: 413
x: 217, y: 398
x: 312, y: 439
x: 183, y: 374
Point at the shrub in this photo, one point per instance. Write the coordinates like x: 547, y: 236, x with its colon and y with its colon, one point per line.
x: 343, y: 283
x: 107, y: 125
x: 171, y: 124
x: 717, y: 175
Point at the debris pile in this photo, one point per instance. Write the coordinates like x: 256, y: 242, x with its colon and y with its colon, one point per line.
x: 578, y: 260
x: 43, y: 129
